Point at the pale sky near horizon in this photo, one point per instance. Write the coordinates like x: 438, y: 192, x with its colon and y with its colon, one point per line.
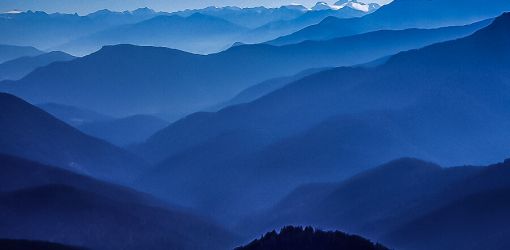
x: 87, y: 6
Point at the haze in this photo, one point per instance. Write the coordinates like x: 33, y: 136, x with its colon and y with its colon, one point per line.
x: 87, y: 6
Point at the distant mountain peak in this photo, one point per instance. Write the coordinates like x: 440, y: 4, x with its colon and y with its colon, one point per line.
x: 407, y: 164
x: 199, y: 15
x: 103, y: 11
x: 353, y: 4
x: 14, y: 11
x: 143, y: 11
x: 295, y: 7
x: 501, y: 23
x: 324, y: 6
x: 342, y: 2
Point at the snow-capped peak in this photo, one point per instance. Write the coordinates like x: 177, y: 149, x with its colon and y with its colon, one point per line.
x: 354, y: 4
x: 13, y: 12
x: 342, y: 2
x: 324, y: 6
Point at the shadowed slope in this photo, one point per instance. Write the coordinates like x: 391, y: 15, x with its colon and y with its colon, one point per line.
x: 29, y: 132
x: 406, y: 204
x: 125, y: 131
x: 45, y: 203
x: 33, y: 245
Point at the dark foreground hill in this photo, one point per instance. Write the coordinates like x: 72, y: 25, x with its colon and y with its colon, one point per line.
x: 33, y: 245
x: 470, y: 214
x: 298, y: 238
x: 479, y: 221
x: 40, y: 202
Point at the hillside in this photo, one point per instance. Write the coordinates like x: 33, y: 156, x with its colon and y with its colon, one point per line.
x: 71, y: 115
x: 31, y: 133
x: 41, y: 202
x: 336, y: 123
x: 30, y: 245
x: 18, y: 68
x: 10, y: 52
x: 124, y: 131
x: 395, y: 187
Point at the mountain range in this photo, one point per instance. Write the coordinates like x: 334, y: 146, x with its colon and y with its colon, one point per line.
x: 250, y: 17
x: 341, y: 119
x: 185, y: 30
x: 401, y: 14
x: 47, y: 31
x: 335, y: 123
x: 113, y: 18
x: 197, y: 33
x: 33, y: 28
x: 221, y: 27
x: 280, y: 28
x: 353, y: 4
x: 173, y: 83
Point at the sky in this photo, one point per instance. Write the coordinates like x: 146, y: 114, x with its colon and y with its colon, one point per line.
x: 87, y: 6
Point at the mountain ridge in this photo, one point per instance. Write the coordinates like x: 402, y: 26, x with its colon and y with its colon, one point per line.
x: 27, y: 132
x: 180, y: 83
x: 57, y: 205
x: 400, y: 14
x: 338, y: 122
x: 18, y: 68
